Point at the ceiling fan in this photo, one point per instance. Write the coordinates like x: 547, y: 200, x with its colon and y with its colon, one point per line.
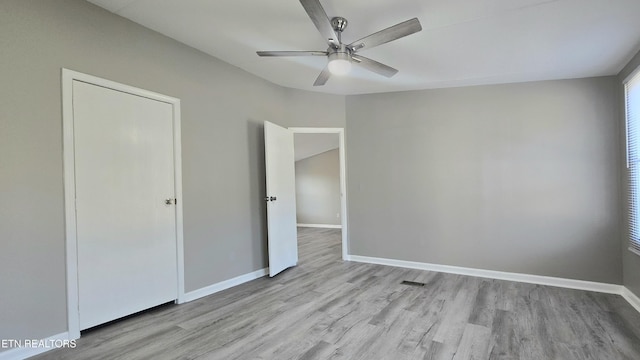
x: 340, y: 55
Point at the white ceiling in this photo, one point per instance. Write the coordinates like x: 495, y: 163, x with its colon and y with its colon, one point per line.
x: 463, y: 42
x: 308, y: 145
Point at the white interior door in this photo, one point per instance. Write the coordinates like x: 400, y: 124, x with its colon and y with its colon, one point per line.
x: 281, y: 198
x: 126, y: 232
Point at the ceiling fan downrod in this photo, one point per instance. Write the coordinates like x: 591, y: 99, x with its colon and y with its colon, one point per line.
x: 339, y: 24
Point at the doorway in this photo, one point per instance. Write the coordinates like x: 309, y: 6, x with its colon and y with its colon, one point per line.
x: 327, y: 135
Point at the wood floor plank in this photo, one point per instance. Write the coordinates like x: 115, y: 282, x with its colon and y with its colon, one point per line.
x: 504, y: 344
x: 326, y: 308
x: 474, y: 343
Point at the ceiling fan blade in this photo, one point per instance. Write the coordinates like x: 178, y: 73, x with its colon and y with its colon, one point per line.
x: 323, y: 77
x: 389, y: 34
x: 321, y: 21
x: 376, y: 67
x: 291, y: 53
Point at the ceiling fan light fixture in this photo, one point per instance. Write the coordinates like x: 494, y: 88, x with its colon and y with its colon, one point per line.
x: 340, y: 67
x: 339, y: 63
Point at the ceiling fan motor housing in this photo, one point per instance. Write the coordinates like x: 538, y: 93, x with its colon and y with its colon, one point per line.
x: 341, y: 52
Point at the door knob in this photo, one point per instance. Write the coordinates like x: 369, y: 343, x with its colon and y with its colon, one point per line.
x: 170, y: 201
x: 270, y: 198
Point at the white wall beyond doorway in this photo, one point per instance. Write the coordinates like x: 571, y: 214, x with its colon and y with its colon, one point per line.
x: 318, y: 188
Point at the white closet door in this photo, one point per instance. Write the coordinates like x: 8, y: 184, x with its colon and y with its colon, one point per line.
x: 125, y: 229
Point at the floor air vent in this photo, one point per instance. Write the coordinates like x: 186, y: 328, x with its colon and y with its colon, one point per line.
x: 412, y: 283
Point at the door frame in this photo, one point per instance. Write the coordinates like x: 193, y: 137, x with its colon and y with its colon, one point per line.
x: 68, y: 147
x: 343, y: 178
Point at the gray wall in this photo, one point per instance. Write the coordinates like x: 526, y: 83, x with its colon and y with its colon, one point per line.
x: 519, y: 178
x: 631, y: 261
x: 318, y: 189
x: 223, y: 109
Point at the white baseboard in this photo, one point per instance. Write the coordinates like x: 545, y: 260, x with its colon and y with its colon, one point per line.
x: 327, y: 226
x: 499, y: 275
x: 631, y: 298
x: 29, y: 351
x: 223, y: 285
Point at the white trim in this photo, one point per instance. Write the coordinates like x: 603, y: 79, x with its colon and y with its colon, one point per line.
x: 177, y: 164
x: 633, y: 250
x: 631, y: 298
x: 73, y: 318
x: 343, y: 178
x: 499, y: 275
x: 325, y: 226
x: 631, y: 75
x: 223, y: 285
x: 68, y: 76
x: 27, y: 352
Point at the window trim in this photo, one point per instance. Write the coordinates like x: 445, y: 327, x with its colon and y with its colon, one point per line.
x: 633, y: 244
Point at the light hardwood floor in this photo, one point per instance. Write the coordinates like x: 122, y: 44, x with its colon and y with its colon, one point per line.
x: 329, y: 309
